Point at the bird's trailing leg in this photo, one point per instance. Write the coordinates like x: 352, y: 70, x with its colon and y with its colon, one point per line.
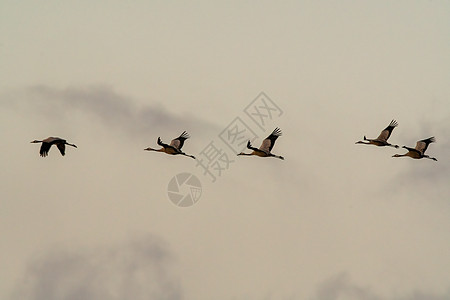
x: 72, y: 145
x: 395, y: 146
x: 188, y: 155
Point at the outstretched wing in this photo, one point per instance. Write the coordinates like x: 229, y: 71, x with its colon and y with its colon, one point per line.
x: 62, y: 148
x: 45, y: 147
x: 249, y: 146
x: 268, y: 143
x: 386, y: 133
x: 47, y: 144
x: 179, y: 141
x: 422, y: 145
x: 160, y: 142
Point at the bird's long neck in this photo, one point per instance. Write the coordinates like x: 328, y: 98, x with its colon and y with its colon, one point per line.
x: 157, y: 150
x: 246, y: 154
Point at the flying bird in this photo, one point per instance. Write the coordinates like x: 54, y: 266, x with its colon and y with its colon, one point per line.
x: 381, y: 140
x: 48, y: 142
x: 266, y: 146
x: 419, y: 151
x: 175, y: 145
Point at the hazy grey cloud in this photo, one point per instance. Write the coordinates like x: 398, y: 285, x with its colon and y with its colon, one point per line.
x: 340, y: 287
x: 102, y: 103
x: 138, y: 269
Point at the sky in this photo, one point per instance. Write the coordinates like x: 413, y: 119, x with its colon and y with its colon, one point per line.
x: 332, y: 221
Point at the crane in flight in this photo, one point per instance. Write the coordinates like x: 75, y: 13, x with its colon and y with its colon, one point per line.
x: 381, y: 140
x: 266, y: 146
x: 419, y: 151
x: 174, y: 148
x: 48, y: 142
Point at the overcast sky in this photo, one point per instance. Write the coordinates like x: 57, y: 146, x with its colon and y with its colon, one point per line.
x: 333, y: 221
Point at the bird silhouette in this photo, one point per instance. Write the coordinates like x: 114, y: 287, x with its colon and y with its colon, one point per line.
x: 419, y: 151
x: 381, y: 140
x: 266, y: 146
x: 174, y: 148
x: 48, y: 142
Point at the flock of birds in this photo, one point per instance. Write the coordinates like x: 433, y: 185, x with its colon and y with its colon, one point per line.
x: 174, y: 148
x: 417, y: 153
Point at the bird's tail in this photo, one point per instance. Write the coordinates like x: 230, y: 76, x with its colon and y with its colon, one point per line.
x: 159, y: 142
